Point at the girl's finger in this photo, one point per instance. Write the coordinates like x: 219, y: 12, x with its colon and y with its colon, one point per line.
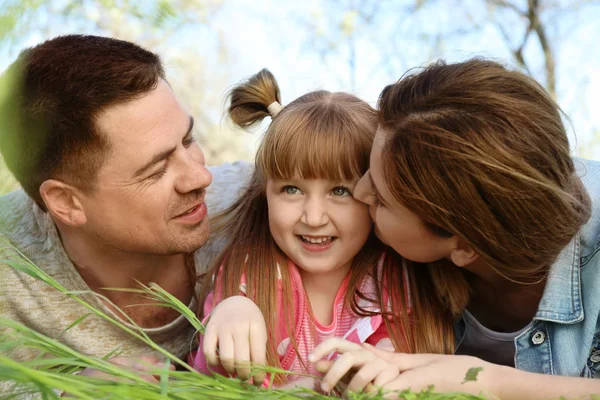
x: 227, y: 352
x: 331, y: 345
x: 241, y: 351
x: 208, y: 343
x: 323, y: 366
x: 367, y: 374
x: 258, y: 350
x: 342, y: 365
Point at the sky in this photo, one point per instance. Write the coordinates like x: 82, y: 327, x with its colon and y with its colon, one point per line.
x: 280, y: 35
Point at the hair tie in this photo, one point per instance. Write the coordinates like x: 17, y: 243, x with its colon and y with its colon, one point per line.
x: 274, y: 108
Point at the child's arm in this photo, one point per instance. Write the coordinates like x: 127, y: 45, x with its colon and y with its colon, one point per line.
x: 235, y: 336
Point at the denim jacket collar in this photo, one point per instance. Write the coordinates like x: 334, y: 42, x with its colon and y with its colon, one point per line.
x: 562, y: 302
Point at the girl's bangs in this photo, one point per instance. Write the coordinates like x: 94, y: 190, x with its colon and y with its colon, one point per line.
x: 332, y: 154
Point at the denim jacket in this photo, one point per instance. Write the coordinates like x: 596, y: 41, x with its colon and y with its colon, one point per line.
x: 564, y: 336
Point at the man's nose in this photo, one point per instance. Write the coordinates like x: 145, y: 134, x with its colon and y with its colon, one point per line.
x: 194, y: 176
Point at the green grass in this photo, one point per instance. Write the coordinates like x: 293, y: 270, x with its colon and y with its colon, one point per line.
x: 54, y: 369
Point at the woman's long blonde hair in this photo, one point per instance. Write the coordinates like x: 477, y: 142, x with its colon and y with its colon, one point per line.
x: 480, y: 151
x: 320, y: 135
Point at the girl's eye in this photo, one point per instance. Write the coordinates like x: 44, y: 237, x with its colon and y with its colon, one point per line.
x: 290, y: 189
x: 341, y: 191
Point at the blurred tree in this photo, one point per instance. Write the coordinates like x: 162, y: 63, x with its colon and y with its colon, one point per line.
x: 349, y: 29
x: 383, y: 38
x: 531, y: 15
x: 336, y: 28
x: 535, y: 18
x: 152, y: 20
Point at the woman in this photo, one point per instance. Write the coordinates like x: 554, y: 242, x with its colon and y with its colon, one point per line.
x: 471, y: 171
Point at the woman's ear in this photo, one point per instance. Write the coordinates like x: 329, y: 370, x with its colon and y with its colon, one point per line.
x: 62, y: 202
x: 462, y: 254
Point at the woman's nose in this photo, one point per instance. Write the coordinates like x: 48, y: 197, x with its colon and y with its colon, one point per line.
x: 362, y: 190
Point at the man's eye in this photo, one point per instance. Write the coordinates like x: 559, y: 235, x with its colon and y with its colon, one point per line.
x: 158, y: 174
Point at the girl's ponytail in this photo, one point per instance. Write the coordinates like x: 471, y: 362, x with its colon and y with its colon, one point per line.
x: 250, y: 100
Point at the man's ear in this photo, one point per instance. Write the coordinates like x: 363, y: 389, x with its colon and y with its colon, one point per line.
x: 462, y: 253
x: 62, y: 202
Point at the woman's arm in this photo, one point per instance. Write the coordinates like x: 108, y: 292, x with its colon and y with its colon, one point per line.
x: 462, y: 374
x: 447, y: 373
x: 514, y: 384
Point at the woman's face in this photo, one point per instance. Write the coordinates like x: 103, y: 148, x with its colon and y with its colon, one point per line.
x: 395, y: 225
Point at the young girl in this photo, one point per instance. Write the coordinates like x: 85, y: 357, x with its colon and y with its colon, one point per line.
x: 300, y: 264
x: 471, y: 170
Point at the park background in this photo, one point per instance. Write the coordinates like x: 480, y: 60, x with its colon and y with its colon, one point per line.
x: 357, y: 46
x: 351, y: 45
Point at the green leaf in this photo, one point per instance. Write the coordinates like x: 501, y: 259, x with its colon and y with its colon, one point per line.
x: 472, y: 373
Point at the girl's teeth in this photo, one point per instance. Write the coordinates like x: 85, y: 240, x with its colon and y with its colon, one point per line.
x: 317, y: 240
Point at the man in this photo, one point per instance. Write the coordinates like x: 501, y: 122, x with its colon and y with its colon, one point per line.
x: 114, y: 193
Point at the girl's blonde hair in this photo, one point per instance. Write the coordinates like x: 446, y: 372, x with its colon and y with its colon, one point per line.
x: 479, y: 151
x: 320, y: 135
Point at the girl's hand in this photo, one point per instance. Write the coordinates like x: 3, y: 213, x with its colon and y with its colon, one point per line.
x: 364, y: 364
x: 237, y: 328
x: 357, y: 368
x: 304, y: 382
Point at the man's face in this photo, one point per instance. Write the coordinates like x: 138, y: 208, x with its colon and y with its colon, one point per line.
x: 149, y: 195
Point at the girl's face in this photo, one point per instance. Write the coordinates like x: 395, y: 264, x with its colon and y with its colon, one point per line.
x: 317, y: 223
x: 395, y: 225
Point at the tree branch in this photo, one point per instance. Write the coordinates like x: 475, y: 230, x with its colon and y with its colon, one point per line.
x: 536, y: 25
x: 509, y: 5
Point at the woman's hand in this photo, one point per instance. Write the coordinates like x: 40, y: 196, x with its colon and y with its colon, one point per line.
x: 365, y: 367
x: 236, y: 329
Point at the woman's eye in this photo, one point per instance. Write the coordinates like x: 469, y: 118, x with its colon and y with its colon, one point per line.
x: 376, y: 200
x: 187, y: 142
x: 290, y: 189
x: 341, y: 191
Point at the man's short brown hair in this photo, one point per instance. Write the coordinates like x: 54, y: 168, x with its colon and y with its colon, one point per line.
x: 55, y: 91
